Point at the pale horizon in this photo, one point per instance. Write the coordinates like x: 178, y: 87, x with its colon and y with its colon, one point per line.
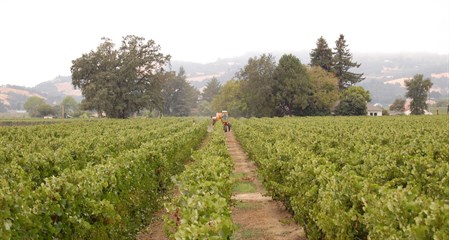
x: 41, y: 38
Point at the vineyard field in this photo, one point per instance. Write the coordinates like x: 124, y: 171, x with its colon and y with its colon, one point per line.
x: 89, y: 179
x: 356, y: 177
x: 341, y: 177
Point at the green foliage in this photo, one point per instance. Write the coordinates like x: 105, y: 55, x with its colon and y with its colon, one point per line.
x: 45, y: 109
x: 321, y: 56
x: 324, y: 91
x: 37, y: 107
x: 178, y: 96
x: 257, y: 82
x: 201, y: 209
x: 89, y: 180
x: 69, y: 106
x: 212, y: 89
x: 417, y: 89
x: 292, y: 86
x: 398, y: 105
x: 289, y: 88
x: 342, y: 63
x: 345, y: 178
x: 120, y: 82
x: 245, y: 187
x: 230, y: 98
x: 353, y: 102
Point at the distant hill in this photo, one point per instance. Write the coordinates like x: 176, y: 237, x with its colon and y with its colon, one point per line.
x: 384, y: 75
x: 13, y: 97
x: 55, y: 90
x: 223, y: 69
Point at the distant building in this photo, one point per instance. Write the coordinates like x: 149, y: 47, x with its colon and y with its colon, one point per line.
x: 373, y: 110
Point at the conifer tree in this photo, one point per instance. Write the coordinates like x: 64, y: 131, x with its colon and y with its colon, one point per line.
x: 212, y: 89
x: 321, y: 56
x: 342, y: 63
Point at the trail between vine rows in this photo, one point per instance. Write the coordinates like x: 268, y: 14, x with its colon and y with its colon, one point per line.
x: 257, y: 216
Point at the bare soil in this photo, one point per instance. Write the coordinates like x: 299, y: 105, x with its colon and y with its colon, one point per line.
x: 156, y: 229
x: 256, y: 215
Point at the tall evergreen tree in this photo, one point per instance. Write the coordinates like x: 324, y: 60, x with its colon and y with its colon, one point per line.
x: 211, y: 90
x: 321, y: 56
x: 417, y: 89
x: 342, y: 63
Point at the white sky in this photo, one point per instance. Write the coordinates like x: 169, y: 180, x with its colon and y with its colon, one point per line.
x: 39, y: 39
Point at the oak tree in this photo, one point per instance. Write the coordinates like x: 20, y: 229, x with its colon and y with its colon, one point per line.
x: 120, y: 81
x: 353, y: 102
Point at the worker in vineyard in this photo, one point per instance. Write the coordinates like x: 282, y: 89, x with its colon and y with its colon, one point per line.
x: 224, y: 117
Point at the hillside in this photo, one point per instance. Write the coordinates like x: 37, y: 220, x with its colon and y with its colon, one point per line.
x: 384, y: 73
x: 13, y: 97
x: 56, y: 89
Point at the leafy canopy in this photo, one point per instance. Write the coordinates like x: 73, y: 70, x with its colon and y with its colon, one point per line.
x: 120, y: 82
x: 353, y: 102
x: 398, y: 105
x: 292, y: 88
x: 257, y: 79
x: 417, y: 89
x: 324, y: 91
x: 37, y: 107
x: 230, y: 98
x: 178, y: 96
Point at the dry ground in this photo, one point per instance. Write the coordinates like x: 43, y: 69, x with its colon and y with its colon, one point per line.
x: 257, y: 216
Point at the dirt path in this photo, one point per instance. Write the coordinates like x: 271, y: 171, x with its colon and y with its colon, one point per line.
x: 257, y: 216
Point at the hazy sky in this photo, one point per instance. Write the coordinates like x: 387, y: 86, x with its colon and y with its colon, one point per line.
x: 39, y: 39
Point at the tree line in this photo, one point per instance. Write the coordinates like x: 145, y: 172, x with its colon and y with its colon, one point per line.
x: 417, y: 89
x: 120, y: 82
x: 37, y: 107
x: 136, y: 77
x: 266, y: 88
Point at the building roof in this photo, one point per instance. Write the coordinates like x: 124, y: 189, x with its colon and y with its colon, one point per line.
x: 372, y: 108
